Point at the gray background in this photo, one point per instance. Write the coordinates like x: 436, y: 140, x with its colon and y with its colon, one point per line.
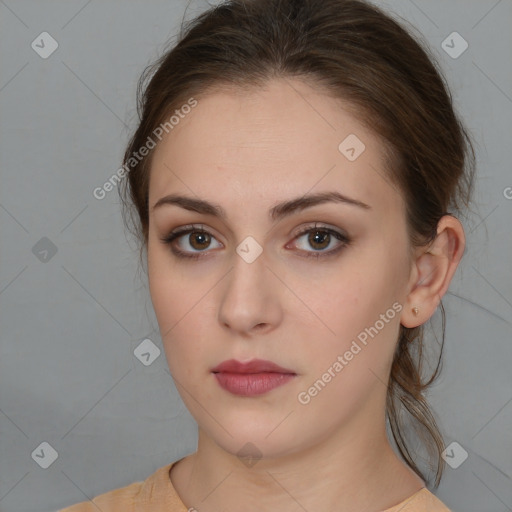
x: 71, y: 321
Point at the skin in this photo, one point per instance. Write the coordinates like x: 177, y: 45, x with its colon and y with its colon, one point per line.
x: 247, y: 151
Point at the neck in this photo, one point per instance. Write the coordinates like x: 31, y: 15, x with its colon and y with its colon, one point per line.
x: 348, y: 471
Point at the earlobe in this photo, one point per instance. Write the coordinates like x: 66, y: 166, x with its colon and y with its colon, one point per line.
x: 435, y: 266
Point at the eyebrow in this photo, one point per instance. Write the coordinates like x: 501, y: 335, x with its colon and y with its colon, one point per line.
x: 276, y: 213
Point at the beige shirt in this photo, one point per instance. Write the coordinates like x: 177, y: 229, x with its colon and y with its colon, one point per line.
x: 157, y: 494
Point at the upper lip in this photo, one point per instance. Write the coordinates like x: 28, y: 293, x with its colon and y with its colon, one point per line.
x: 253, y: 366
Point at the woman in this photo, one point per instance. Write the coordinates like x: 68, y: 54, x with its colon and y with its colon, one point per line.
x: 294, y: 180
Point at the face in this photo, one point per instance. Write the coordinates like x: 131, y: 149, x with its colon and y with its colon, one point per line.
x: 316, y: 288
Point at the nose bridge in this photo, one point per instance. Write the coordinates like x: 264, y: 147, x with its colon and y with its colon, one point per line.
x: 248, y: 298
x: 247, y: 277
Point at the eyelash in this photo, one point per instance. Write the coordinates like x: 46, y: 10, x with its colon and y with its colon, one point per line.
x: 173, y: 235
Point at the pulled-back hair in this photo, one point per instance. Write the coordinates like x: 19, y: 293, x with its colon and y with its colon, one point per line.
x: 353, y: 51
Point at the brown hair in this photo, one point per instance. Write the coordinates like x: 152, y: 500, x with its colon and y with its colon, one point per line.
x: 357, y: 53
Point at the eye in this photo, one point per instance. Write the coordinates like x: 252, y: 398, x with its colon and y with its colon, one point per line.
x: 321, y: 238
x: 197, y: 241
x: 192, y: 241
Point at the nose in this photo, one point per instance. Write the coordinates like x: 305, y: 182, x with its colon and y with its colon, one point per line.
x: 251, y: 298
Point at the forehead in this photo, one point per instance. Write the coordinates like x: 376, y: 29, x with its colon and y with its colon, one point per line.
x: 270, y: 143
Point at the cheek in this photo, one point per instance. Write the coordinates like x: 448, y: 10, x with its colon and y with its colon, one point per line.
x: 161, y: 288
x: 170, y: 295
x: 361, y: 305
x: 350, y: 297
x: 180, y: 301
x: 349, y: 367
x: 172, y: 291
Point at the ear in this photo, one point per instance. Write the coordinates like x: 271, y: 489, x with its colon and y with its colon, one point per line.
x: 432, y: 271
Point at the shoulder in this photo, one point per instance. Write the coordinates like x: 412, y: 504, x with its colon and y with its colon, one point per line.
x: 421, y: 501
x: 153, y: 494
x: 111, y: 501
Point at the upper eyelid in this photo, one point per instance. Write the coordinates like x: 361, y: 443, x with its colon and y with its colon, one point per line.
x: 188, y: 228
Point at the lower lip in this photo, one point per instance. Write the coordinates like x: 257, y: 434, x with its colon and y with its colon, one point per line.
x: 252, y: 384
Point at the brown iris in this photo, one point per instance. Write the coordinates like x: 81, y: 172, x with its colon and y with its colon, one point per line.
x: 203, y: 240
x: 316, y: 237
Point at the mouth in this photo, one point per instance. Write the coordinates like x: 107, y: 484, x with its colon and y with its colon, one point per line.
x: 253, y: 378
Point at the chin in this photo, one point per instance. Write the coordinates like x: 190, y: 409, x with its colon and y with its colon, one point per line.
x: 250, y: 437
x: 256, y: 449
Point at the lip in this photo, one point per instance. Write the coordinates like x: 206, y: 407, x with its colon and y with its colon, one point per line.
x: 253, y: 366
x: 253, y: 378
